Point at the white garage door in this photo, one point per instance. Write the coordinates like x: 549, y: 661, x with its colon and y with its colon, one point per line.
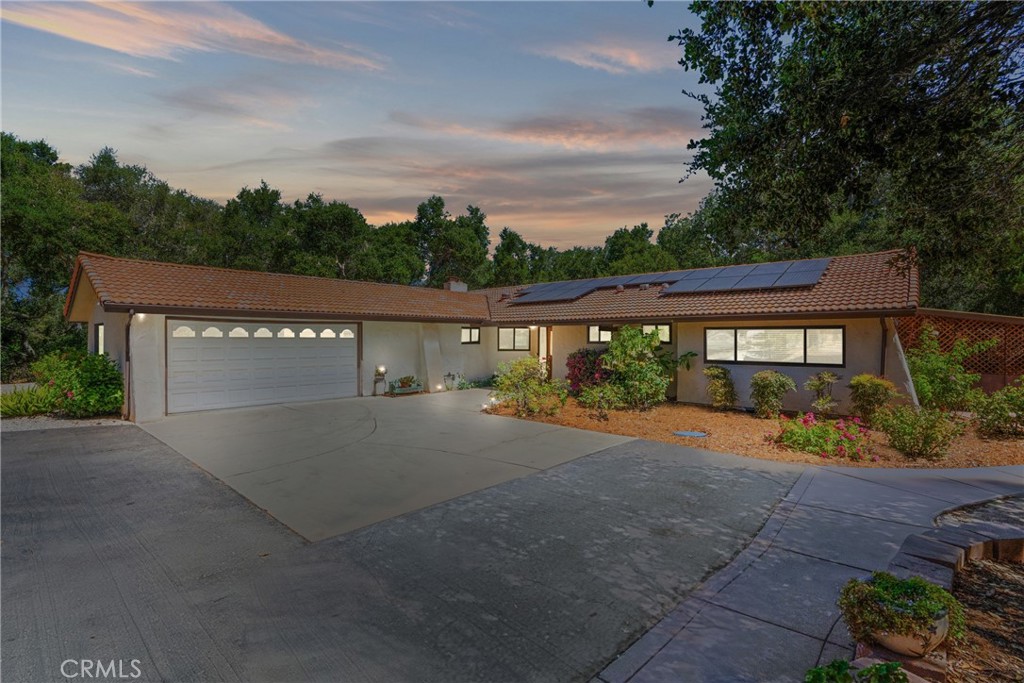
x: 230, y: 364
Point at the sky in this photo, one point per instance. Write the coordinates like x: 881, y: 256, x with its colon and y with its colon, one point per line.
x: 561, y: 120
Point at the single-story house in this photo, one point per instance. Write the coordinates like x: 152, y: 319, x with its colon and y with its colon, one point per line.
x: 191, y: 338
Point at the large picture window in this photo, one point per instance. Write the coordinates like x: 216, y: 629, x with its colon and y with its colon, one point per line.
x: 776, y: 345
x: 513, y: 338
x: 470, y: 335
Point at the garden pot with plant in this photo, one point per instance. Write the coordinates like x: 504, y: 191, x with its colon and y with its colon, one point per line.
x: 909, y: 616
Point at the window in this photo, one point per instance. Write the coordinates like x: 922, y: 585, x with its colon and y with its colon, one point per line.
x: 346, y: 334
x: 183, y: 331
x: 263, y: 333
x: 513, y: 338
x: 470, y: 335
x: 100, y: 342
x: 599, y: 334
x: 285, y: 333
x: 664, y: 331
x: 776, y: 345
x: 238, y: 332
x: 212, y: 331
x: 307, y: 334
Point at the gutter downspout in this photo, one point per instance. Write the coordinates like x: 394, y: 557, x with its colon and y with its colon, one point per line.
x: 128, y: 396
x: 885, y: 341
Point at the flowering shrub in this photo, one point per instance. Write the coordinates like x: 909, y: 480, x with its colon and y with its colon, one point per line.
x: 639, y: 367
x: 585, y: 368
x: 827, y: 438
x: 940, y: 379
x: 1001, y: 415
x: 86, y: 384
x: 869, y: 394
x: 766, y: 391
x: 600, y: 398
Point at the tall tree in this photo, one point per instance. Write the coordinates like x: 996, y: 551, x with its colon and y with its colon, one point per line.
x: 836, y: 126
x: 453, y: 247
x: 629, y: 251
x: 511, y: 259
x: 329, y: 235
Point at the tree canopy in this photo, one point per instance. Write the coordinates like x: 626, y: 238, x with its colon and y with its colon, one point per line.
x: 836, y: 127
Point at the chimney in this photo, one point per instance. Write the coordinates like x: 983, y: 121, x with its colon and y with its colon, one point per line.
x: 454, y: 284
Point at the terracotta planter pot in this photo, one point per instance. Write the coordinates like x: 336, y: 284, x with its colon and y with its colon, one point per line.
x: 916, y: 644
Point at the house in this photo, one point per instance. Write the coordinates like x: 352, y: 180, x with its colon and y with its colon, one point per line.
x: 193, y: 338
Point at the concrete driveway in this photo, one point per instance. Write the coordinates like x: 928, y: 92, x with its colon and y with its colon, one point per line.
x: 329, y: 467
x: 117, y: 549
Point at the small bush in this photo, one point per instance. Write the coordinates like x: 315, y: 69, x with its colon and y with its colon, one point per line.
x: 720, y: 389
x: 1001, y: 415
x: 839, y: 672
x: 585, y: 368
x: 940, y: 379
x: 869, y: 394
x: 897, y: 606
x: 926, y: 433
x: 821, y: 384
x: 600, y: 398
x: 86, y: 384
x: 28, y: 401
x: 826, y: 438
x: 525, y: 385
x: 766, y: 391
x: 638, y: 366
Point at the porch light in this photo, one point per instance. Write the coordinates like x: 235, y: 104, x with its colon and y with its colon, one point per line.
x: 533, y: 327
x: 439, y: 387
x: 381, y: 371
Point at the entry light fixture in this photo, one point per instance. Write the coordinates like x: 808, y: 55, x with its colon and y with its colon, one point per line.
x: 533, y: 327
x: 381, y: 371
x: 380, y: 377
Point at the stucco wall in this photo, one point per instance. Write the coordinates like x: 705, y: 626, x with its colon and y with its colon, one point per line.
x: 863, y: 354
x: 113, y: 324
x: 565, y: 340
x: 146, y: 367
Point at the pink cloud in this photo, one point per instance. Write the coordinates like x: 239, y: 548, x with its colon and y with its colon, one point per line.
x: 166, y: 30
x: 610, y: 57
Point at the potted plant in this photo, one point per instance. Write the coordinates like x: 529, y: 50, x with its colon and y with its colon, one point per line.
x: 406, y: 385
x: 908, y: 616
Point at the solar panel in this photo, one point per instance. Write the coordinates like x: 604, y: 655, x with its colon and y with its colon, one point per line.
x: 798, y: 279
x: 771, y: 268
x: 735, y: 271
x: 703, y: 273
x: 818, y: 264
x: 717, y: 284
x: 754, y: 281
x: 688, y: 285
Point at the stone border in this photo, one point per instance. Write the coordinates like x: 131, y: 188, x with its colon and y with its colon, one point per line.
x: 936, y: 556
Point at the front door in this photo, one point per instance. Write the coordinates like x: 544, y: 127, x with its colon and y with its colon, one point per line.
x: 544, y: 347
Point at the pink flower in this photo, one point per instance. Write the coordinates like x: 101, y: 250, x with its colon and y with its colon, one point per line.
x: 71, y: 394
x: 51, y: 382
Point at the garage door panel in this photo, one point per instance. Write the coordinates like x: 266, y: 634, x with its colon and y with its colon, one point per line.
x: 233, y: 364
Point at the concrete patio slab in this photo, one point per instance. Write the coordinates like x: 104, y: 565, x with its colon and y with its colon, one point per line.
x: 330, y: 467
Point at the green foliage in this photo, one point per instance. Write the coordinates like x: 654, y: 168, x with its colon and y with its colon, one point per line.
x: 844, y: 127
x: 897, y: 606
x: 825, y: 438
x: 821, y: 384
x: 940, y: 379
x: 523, y: 383
x: 511, y: 259
x: 1001, y: 414
x: 869, y: 394
x: 600, y: 398
x: 86, y: 384
x: 926, y: 433
x: 637, y: 365
x: 631, y: 251
x: 453, y: 247
x: 720, y: 389
x: 839, y: 672
x: 28, y: 401
x: 767, y: 388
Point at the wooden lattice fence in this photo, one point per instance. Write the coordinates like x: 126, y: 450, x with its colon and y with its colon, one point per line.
x: 998, y: 366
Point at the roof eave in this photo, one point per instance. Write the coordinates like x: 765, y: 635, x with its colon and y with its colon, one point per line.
x: 200, y: 312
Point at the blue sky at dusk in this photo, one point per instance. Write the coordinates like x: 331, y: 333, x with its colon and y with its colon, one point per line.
x: 563, y: 121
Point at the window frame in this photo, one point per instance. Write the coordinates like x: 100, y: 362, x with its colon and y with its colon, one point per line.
x: 99, y: 338
x: 600, y: 328
x: 803, y: 328
x: 472, y: 329
x: 657, y: 325
x: 529, y: 339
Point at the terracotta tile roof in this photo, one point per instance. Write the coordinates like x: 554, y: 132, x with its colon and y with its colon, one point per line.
x: 154, y: 287
x: 859, y: 284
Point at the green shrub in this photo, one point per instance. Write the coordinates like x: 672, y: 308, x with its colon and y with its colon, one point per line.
x: 825, y: 438
x: 839, y: 672
x: 869, y: 394
x: 940, y: 379
x: 926, y: 433
x: 28, y: 401
x: 821, y: 384
x: 720, y: 389
x: 600, y: 398
x: 524, y: 384
x: 638, y: 367
x: 86, y: 384
x: 585, y: 368
x: 1001, y: 415
x: 766, y: 391
x: 897, y: 606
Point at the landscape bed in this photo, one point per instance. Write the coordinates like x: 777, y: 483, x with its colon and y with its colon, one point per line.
x: 743, y: 434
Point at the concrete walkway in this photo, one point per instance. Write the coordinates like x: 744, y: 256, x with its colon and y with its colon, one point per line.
x: 771, y: 614
x: 329, y: 467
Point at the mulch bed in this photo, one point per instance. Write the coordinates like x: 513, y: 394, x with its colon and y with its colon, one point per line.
x: 992, y: 593
x: 742, y: 433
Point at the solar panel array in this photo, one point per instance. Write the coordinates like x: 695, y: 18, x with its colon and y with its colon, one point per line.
x: 728, y: 278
